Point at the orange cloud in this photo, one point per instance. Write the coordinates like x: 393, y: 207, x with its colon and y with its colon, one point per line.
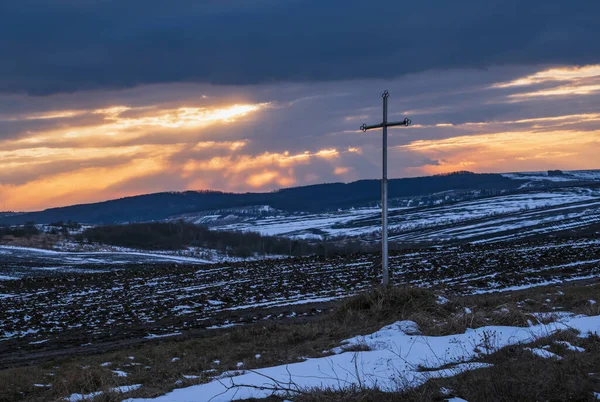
x: 570, y: 81
x: 268, y: 177
x: 117, y: 127
x: 184, y: 117
x: 255, y: 172
x: 231, y: 145
x: 77, y: 186
x: 241, y: 163
x: 510, y: 151
x: 553, y: 74
x: 560, y: 91
x: 69, y: 163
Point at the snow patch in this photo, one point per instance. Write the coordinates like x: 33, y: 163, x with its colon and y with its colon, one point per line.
x: 392, y: 351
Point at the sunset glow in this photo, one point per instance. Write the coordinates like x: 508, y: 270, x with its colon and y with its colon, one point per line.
x: 510, y: 151
x: 184, y: 117
x: 52, y: 156
x: 554, y: 74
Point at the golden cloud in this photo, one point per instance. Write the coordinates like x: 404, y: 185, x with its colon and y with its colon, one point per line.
x: 553, y: 74
x: 184, y: 117
x: 233, y: 164
x: 559, y: 91
x: 77, y: 186
x: 259, y: 180
x: 341, y: 171
x: 510, y: 151
x: 569, y: 81
x: 118, y: 127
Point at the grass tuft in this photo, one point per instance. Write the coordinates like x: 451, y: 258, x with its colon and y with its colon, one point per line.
x: 386, y: 302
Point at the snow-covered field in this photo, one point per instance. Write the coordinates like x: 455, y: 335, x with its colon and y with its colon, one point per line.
x: 18, y: 262
x: 157, y: 299
x: 486, y: 219
x: 567, y: 176
x: 508, y: 218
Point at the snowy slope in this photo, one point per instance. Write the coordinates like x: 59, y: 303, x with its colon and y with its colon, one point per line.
x: 567, y: 176
x: 491, y: 218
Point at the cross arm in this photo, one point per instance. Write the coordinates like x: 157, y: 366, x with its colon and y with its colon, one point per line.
x: 364, y: 127
x: 405, y: 122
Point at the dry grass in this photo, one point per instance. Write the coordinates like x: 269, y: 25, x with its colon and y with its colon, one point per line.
x: 161, y: 366
x: 385, y: 305
x: 389, y: 302
x: 517, y: 374
x: 358, y: 395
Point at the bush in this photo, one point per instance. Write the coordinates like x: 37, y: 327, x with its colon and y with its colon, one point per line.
x: 385, y: 302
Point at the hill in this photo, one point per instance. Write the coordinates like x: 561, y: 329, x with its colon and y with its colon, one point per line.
x: 314, y: 198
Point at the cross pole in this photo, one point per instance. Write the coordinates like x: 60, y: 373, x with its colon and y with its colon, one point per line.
x: 384, y: 184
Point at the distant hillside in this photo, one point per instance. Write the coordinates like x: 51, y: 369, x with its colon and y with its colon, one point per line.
x: 315, y: 198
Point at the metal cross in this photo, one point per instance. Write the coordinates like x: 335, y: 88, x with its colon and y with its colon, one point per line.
x: 384, y: 204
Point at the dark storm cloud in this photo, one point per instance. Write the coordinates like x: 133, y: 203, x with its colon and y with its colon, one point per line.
x: 62, y: 46
x: 432, y: 162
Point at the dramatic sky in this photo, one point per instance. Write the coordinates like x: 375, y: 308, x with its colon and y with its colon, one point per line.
x: 102, y: 99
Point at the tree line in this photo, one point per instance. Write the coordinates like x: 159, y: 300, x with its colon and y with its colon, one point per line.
x: 180, y: 235
x: 27, y: 230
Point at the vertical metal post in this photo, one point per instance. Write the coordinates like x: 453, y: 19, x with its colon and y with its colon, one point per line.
x: 384, y: 198
x: 384, y: 184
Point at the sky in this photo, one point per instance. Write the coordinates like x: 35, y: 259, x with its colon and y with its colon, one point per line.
x: 102, y: 99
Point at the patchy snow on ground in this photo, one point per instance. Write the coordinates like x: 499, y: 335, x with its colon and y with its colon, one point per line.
x: 395, y: 361
x: 28, y: 261
x: 225, y: 295
x: 19, y: 262
x: 570, y: 347
x: 155, y: 336
x: 543, y: 353
x: 190, y: 254
x: 87, y: 397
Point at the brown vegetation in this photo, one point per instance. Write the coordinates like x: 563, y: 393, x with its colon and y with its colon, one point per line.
x: 161, y: 366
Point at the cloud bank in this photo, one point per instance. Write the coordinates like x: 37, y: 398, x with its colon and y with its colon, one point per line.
x: 65, y: 46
